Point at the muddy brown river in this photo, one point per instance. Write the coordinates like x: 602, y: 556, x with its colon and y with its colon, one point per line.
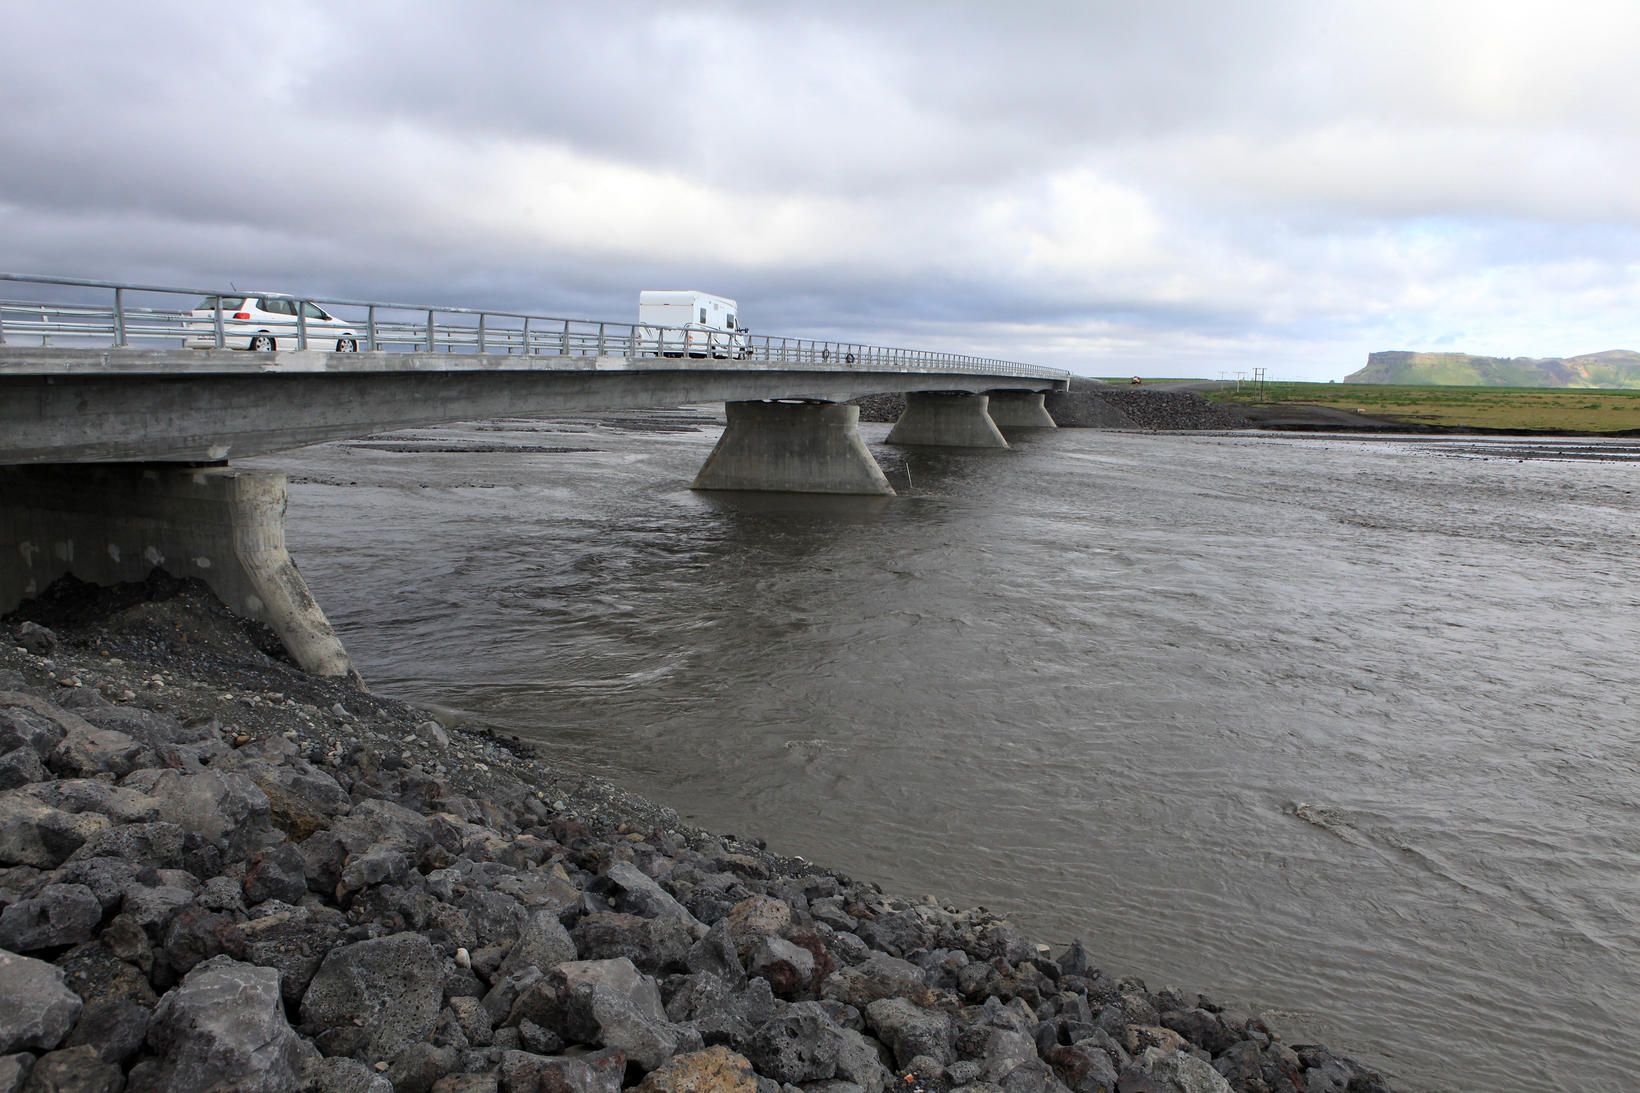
x: 1346, y: 730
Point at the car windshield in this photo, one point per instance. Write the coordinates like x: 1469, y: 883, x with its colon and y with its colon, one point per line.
x: 229, y: 303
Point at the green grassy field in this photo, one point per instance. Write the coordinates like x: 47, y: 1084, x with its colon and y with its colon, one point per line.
x: 1551, y: 409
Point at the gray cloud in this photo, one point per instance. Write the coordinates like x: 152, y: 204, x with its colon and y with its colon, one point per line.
x: 1113, y: 188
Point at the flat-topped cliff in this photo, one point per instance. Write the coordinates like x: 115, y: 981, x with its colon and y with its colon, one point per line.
x: 1612, y: 368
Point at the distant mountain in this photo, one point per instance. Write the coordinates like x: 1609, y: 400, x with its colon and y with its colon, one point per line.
x: 1613, y: 368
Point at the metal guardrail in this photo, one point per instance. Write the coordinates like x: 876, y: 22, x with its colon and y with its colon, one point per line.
x: 336, y: 324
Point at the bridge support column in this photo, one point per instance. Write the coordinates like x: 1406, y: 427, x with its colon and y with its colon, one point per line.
x: 113, y: 522
x: 792, y: 447
x: 947, y: 420
x: 1020, y: 410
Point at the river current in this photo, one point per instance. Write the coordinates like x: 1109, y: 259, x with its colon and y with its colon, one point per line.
x: 1343, y: 730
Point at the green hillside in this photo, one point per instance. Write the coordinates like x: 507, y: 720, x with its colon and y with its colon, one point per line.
x: 1615, y: 368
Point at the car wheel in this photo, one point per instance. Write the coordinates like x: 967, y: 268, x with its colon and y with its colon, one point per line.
x: 263, y: 343
x: 347, y: 345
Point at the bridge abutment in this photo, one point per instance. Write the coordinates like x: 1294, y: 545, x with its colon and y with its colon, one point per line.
x: 946, y: 420
x: 792, y: 447
x: 1020, y: 410
x: 114, y: 522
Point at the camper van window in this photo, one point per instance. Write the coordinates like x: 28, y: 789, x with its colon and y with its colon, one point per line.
x: 731, y: 322
x: 703, y: 315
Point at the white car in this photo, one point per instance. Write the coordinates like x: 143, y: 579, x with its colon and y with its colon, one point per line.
x: 264, y: 322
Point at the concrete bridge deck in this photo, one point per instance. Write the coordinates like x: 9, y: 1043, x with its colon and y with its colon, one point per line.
x: 62, y: 405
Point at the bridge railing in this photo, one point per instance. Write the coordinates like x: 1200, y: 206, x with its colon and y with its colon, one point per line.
x: 50, y: 311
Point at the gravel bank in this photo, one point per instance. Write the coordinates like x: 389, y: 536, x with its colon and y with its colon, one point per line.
x: 1102, y: 406
x: 881, y: 407
x: 219, y: 873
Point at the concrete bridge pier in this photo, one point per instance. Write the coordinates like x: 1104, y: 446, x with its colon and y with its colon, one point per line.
x: 947, y: 420
x: 1020, y: 410
x: 113, y: 522
x: 792, y: 447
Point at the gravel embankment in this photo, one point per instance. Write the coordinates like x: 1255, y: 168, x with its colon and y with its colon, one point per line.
x: 1092, y: 406
x: 1142, y: 407
x: 881, y: 407
x: 217, y: 873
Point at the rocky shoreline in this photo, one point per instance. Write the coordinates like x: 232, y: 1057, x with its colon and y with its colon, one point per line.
x: 219, y: 873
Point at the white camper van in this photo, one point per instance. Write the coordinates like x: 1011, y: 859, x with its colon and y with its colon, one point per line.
x: 694, y: 323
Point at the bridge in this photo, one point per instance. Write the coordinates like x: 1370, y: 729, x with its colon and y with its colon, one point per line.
x: 121, y: 407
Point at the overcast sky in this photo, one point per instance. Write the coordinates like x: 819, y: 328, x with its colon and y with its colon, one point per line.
x: 1154, y: 188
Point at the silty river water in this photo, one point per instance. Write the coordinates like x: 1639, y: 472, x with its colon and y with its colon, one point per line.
x: 1344, y: 730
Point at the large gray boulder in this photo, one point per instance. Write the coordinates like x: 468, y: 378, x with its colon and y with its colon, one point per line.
x: 533, y: 889
x: 800, y: 1045
x: 717, y: 955
x: 1005, y: 1050
x: 380, y: 863
x: 115, y: 1027
x: 293, y: 940
x: 62, y: 914
x: 880, y: 976
x: 607, y: 1003
x: 118, y: 803
x: 1203, y: 1029
x: 912, y: 1031
x: 158, y: 730
x: 86, y: 751
x: 1084, y: 1067
x: 859, y: 1061
x: 157, y: 844
x: 494, y: 919
x: 36, y: 1007
x: 543, y: 942
x: 223, y: 1027
x: 302, y: 799
x: 278, y: 872
x: 373, y: 999
x: 22, y: 726
x: 225, y: 808
x: 391, y: 836
x: 722, y: 1014
x: 658, y: 946
x: 153, y: 906
x: 36, y: 834
x: 632, y: 890
x: 1174, y: 1072
x: 21, y: 767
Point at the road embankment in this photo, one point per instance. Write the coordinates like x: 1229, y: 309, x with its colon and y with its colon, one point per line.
x: 219, y: 872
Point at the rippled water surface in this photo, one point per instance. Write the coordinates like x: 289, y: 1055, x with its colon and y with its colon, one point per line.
x: 1345, y: 730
